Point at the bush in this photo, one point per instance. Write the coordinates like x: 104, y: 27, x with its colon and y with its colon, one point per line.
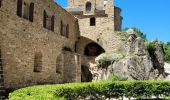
x: 114, y: 77
x: 167, y: 52
x: 94, y: 91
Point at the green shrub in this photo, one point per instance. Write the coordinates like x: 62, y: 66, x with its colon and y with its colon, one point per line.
x: 94, y: 91
x: 114, y: 77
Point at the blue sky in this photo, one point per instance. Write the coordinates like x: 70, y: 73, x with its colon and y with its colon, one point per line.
x: 152, y: 17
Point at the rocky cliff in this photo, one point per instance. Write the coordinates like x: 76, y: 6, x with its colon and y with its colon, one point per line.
x: 139, y: 62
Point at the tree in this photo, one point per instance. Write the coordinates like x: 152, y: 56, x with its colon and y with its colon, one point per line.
x: 167, y: 51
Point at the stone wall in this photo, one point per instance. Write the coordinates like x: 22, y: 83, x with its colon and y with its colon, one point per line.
x: 21, y: 39
x: 103, y: 33
x: 70, y: 64
x: 118, y: 19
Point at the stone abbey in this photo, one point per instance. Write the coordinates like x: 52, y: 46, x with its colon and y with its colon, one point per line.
x: 43, y: 43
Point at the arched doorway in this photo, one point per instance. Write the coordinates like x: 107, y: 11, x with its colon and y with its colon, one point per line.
x: 93, y: 49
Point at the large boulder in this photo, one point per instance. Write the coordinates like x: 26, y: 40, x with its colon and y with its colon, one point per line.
x: 137, y: 63
x: 86, y: 75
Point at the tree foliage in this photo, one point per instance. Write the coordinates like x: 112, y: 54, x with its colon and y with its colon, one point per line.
x: 167, y: 51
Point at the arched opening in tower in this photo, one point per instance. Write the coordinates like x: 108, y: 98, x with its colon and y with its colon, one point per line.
x: 88, y: 7
x: 93, y: 49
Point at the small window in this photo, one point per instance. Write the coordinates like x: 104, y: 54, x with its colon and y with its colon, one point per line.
x: 31, y: 14
x: 52, y: 23
x: 38, y: 62
x: 93, y: 21
x: 48, y: 21
x: 88, y: 7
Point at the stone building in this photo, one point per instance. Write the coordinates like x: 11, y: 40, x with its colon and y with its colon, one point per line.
x: 41, y: 42
x: 99, y: 20
x: 37, y: 44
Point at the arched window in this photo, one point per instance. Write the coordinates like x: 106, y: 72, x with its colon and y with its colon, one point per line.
x: 92, y: 21
x: 38, y: 62
x: 19, y: 8
x: 88, y: 7
x: 31, y: 14
x: 48, y: 21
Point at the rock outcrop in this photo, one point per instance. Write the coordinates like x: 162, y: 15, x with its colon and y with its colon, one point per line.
x: 86, y: 75
x: 137, y: 63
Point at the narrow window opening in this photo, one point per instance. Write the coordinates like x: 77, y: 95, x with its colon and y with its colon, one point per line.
x: 75, y: 46
x: 92, y: 21
x: 0, y: 3
x: 31, y: 14
x: 52, y: 23
x: 88, y: 7
x: 38, y: 62
x: 67, y: 30
x: 48, y: 21
x: 19, y: 8
x: 44, y: 19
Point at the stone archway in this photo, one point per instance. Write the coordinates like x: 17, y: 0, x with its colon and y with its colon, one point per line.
x: 89, y: 50
x: 93, y: 49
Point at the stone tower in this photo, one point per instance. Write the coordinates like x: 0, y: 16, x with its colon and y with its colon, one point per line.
x: 97, y: 8
x: 98, y: 20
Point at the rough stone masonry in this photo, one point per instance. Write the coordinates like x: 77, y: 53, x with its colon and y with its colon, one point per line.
x: 43, y: 43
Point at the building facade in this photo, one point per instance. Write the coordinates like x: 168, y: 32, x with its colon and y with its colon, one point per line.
x: 37, y: 44
x: 99, y: 21
x: 42, y: 43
